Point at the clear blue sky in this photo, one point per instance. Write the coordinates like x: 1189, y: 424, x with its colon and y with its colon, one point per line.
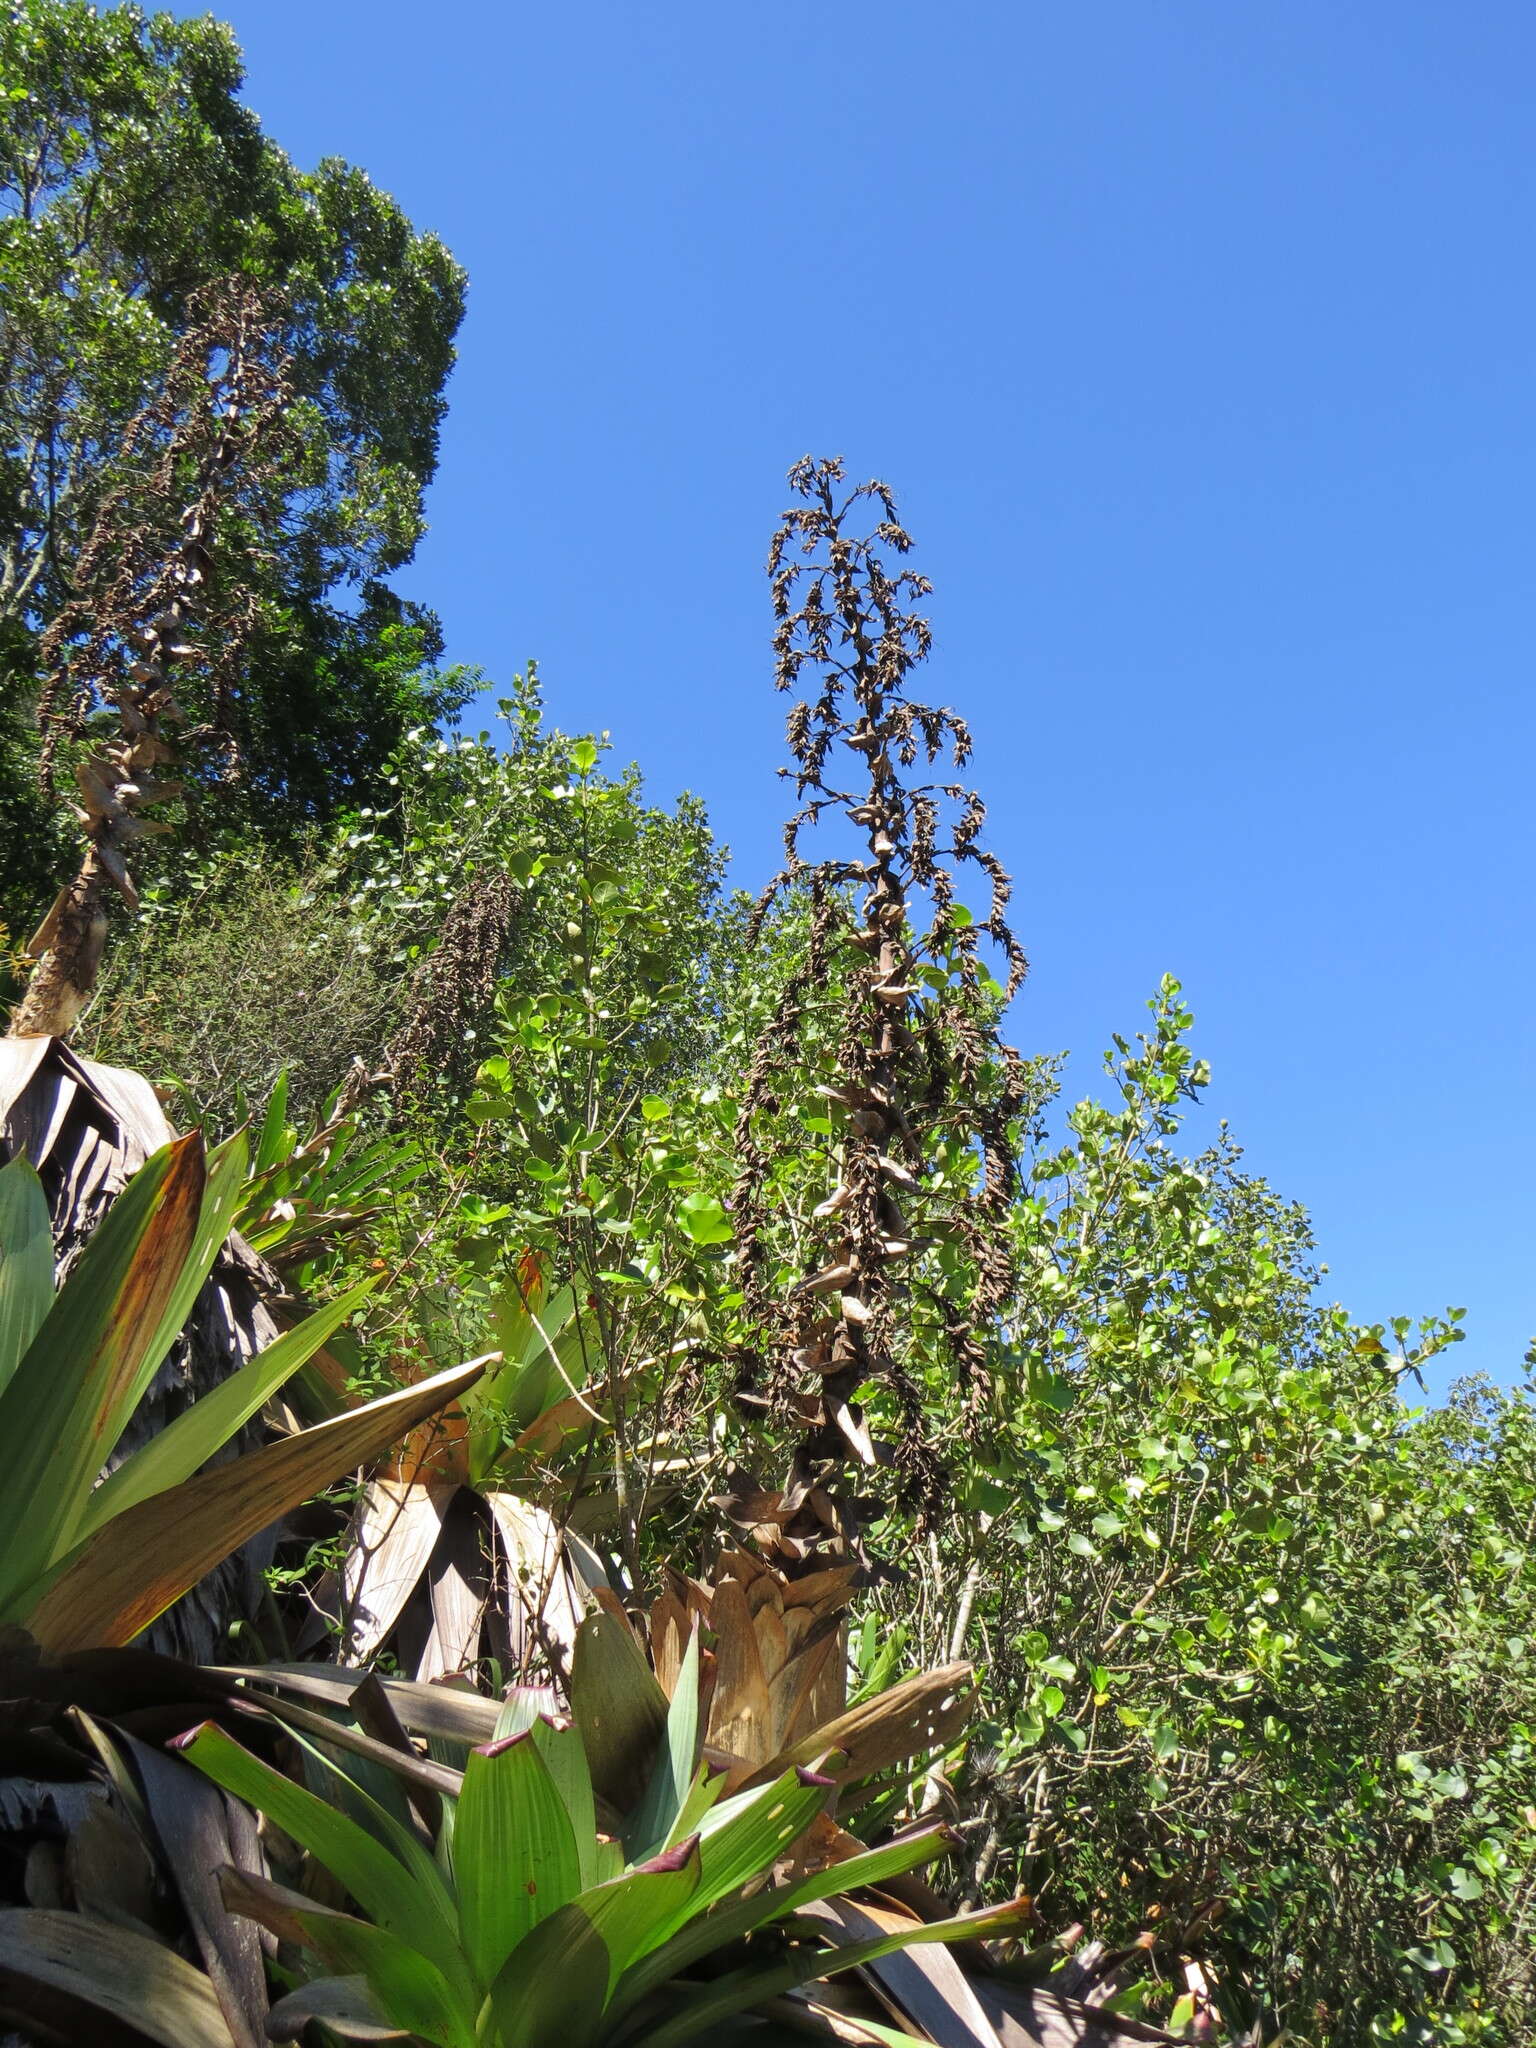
x: 1197, y: 341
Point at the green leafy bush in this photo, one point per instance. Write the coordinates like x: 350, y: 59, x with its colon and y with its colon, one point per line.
x: 1254, y: 1630
x: 246, y: 976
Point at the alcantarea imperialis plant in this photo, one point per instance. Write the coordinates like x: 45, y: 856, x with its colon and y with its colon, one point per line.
x: 544, y: 1910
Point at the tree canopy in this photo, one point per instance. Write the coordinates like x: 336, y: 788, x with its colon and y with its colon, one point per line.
x: 131, y: 177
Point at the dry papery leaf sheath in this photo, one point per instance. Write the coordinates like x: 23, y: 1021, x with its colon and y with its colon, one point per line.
x: 144, y: 586
x: 917, y: 1059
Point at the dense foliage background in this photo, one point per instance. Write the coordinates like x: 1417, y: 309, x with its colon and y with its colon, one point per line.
x: 1254, y: 1622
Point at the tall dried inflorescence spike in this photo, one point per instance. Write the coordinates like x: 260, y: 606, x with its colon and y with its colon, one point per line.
x: 456, y: 981
x: 143, y: 660
x: 889, y: 1017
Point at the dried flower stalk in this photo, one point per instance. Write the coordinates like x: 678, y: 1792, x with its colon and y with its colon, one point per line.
x: 123, y: 645
x: 918, y: 1061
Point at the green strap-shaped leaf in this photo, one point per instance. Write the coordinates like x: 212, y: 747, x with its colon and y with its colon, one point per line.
x: 394, y: 1829
x: 68, y: 1400
x: 186, y: 1444
x: 523, y: 1708
x: 703, y: 1794
x: 551, y: 1361
x: 619, y: 1708
x: 273, y: 1143
x: 704, y: 1934
x: 26, y: 1263
x: 742, y: 1838
x: 114, y: 1583
x: 380, y: 1761
x: 552, y: 1993
x: 739, y: 1840
x: 750, y: 1987
x: 634, y: 1912
x: 514, y: 1855
x: 408, y: 1988
x: 410, y: 1902
x: 559, y: 1743
x: 652, y: 1823
x: 223, y: 1178
x: 91, y: 1361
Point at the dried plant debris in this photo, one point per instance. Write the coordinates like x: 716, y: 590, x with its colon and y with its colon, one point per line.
x: 922, y: 1094
x: 455, y: 982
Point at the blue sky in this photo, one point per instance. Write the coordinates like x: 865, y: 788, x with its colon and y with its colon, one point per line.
x: 1197, y: 343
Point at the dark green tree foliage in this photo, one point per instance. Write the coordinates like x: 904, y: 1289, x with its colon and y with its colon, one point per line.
x: 131, y: 176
